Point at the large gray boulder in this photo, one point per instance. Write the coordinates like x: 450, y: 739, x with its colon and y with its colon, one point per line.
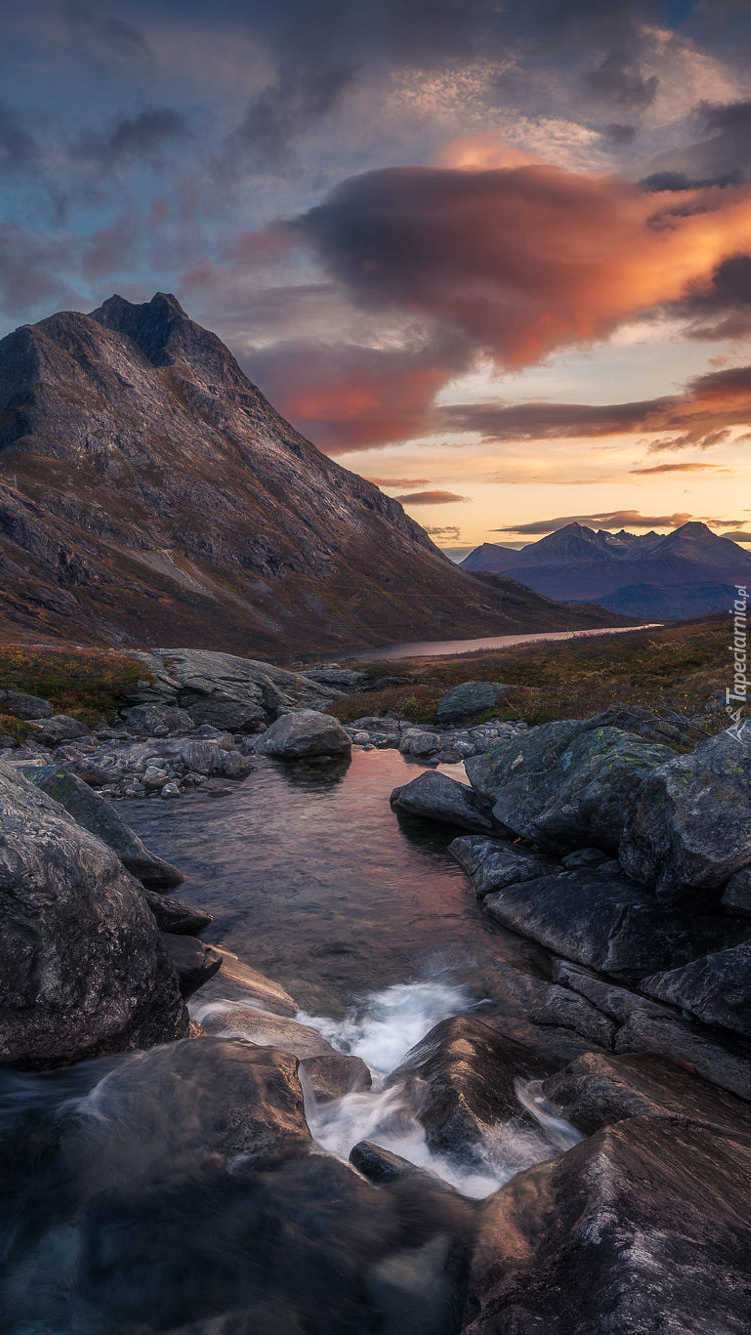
x: 716, y: 988
x: 20, y: 705
x: 239, y: 694
x: 566, y: 785
x: 82, y: 966
x: 101, y: 818
x: 303, y: 735
x: 435, y: 796
x: 468, y: 699
x: 643, y: 1227
x: 605, y: 922
x: 690, y: 827
x: 58, y: 729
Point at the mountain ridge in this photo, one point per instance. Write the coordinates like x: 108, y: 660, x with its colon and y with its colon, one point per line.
x: 149, y: 490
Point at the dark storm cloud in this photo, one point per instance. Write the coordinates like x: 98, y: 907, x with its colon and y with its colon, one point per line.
x: 143, y: 137
x: 720, y: 157
x: 721, y: 308
x: 294, y: 103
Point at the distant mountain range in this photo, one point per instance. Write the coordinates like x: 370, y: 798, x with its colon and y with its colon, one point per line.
x: 149, y: 493
x: 687, y: 573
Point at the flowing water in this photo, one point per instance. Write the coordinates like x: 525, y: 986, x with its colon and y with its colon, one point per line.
x: 370, y: 925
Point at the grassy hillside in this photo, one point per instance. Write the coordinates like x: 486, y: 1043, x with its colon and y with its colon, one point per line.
x: 85, y: 683
x: 681, y: 669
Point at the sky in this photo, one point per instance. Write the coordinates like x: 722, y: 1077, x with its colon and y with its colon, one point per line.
x: 494, y: 257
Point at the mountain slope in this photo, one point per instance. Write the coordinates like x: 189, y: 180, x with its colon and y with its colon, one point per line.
x: 628, y: 573
x: 150, y: 493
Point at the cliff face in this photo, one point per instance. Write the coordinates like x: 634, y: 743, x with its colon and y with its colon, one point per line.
x: 150, y: 493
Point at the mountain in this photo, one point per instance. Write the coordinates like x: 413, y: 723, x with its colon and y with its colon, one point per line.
x: 149, y: 493
x: 688, y: 572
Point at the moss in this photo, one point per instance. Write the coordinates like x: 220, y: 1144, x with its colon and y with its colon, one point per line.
x: 10, y: 726
x: 88, y: 684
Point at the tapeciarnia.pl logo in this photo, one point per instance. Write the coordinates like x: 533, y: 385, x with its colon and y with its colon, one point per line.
x: 737, y: 694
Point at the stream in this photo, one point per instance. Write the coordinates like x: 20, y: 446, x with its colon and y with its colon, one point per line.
x: 371, y: 926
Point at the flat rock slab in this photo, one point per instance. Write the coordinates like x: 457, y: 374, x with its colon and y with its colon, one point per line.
x: 600, y: 1088
x: 238, y: 1019
x: 566, y: 785
x: 603, y: 921
x: 716, y: 988
x: 437, y: 797
x: 101, y: 818
x: 689, y: 830
x: 715, y: 1055
x: 641, y: 1228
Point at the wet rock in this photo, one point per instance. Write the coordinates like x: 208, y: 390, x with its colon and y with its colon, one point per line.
x: 619, y: 1003
x: 379, y: 1165
x: 737, y: 894
x: 690, y: 828
x: 603, y: 921
x: 600, y: 1088
x: 82, y: 966
x: 20, y: 705
x: 241, y: 1019
x: 565, y: 785
x: 304, y: 734
x: 435, y: 796
x: 585, y: 857
x: 642, y: 1227
x: 372, y: 723
x: 254, y: 987
x: 716, y: 1056
x: 332, y: 1075
x: 716, y: 988
x: 173, y: 916
x: 194, y: 961
x: 209, y: 757
x: 59, y: 728
x: 468, y: 699
x: 157, y: 720
x: 99, y: 816
x: 492, y: 864
x: 466, y: 1072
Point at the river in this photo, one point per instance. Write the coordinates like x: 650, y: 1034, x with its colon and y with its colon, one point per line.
x: 447, y: 648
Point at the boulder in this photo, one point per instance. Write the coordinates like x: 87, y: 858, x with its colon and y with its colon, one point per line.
x: 157, y: 720
x: 419, y: 742
x: 463, y: 1075
x: 332, y: 1075
x: 716, y: 988
x: 690, y: 828
x: 468, y: 699
x: 642, y: 1228
x: 618, y: 1003
x: 492, y: 864
x: 59, y: 728
x: 194, y: 961
x: 20, y: 705
x: 254, y: 987
x: 600, y: 1088
x: 173, y: 916
x: 209, y: 757
x: 437, y: 797
x: 380, y: 1165
x: 101, y: 818
x: 339, y: 679
x: 238, y: 694
x: 674, y: 731
x: 304, y: 734
x: 604, y: 922
x: 82, y: 965
x: 565, y: 785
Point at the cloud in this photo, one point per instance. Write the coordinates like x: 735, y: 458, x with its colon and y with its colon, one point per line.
x: 145, y: 137
x: 680, y: 468
x: 32, y: 268
x: 399, y: 481
x: 612, y: 519
x: 520, y: 260
x: 347, y: 397
x: 446, y: 532
x: 295, y: 102
x: 735, y: 536
x: 722, y: 157
x: 429, y: 498
x: 720, y: 307
x: 19, y: 150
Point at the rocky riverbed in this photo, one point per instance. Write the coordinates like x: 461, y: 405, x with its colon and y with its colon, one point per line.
x: 548, y: 1129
